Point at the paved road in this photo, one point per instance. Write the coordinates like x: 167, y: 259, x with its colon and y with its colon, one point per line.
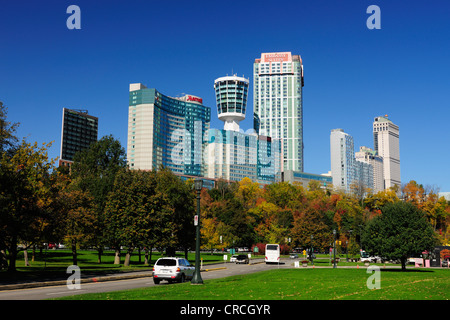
x: 210, y: 272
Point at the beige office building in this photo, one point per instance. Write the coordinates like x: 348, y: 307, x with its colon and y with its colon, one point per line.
x: 386, y: 143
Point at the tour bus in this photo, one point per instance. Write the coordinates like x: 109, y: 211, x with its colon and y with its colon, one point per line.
x: 272, y: 253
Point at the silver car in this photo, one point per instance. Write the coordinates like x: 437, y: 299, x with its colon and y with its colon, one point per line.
x: 172, y: 269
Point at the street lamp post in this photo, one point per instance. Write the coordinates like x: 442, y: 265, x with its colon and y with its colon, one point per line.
x: 312, y: 250
x: 346, y: 248
x: 197, y: 278
x: 334, y: 248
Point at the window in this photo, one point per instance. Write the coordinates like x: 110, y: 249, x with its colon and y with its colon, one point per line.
x: 166, y: 262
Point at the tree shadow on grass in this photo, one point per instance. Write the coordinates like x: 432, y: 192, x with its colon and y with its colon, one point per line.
x: 405, y: 271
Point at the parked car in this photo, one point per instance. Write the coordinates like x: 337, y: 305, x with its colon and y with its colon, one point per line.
x: 52, y: 245
x: 242, y: 258
x: 172, y: 269
x: 233, y: 258
x: 445, y: 263
x: 293, y: 256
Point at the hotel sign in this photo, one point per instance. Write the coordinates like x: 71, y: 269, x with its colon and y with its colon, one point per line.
x: 194, y: 99
x: 276, y: 57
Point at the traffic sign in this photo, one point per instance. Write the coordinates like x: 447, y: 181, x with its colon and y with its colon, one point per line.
x: 196, y: 220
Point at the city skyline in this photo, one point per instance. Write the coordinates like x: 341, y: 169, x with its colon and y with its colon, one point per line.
x: 352, y: 74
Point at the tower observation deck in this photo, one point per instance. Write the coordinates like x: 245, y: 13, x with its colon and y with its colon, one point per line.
x: 231, y: 98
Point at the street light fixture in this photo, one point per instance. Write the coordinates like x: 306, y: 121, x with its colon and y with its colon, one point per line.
x: 197, y: 278
x: 334, y: 248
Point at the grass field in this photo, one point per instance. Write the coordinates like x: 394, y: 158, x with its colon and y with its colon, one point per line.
x: 299, y: 284
x: 54, y: 263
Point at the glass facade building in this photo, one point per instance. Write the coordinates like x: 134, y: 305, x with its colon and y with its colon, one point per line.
x: 345, y: 169
x: 233, y: 155
x: 79, y: 130
x: 166, y: 131
x: 304, y: 178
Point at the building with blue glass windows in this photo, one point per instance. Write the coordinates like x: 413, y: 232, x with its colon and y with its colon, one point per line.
x: 232, y: 154
x: 166, y: 131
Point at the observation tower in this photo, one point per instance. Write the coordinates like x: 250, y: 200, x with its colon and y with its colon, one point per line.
x: 231, y: 98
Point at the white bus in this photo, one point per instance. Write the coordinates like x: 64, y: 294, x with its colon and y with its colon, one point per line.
x: 272, y: 253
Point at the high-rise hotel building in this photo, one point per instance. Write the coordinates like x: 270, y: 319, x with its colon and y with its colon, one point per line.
x: 79, y: 130
x: 231, y: 153
x: 166, y: 131
x: 278, y: 108
x: 371, y: 157
x: 342, y: 159
x: 346, y: 170
x: 386, y: 144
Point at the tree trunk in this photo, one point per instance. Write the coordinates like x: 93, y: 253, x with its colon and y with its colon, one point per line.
x: 12, y: 255
x: 128, y: 257
x: 146, y: 262
x: 25, y: 257
x: 170, y: 251
x: 403, y: 261
x: 74, y: 252
x: 99, y: 255
x: 117, y: 256
x: 3, y: 260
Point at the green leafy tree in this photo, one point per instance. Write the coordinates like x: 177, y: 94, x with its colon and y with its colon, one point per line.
x: 137, y: 213
x: 24, y: 195
x: 181, y: 198
x: 400, y: 231
x: 94, y: 171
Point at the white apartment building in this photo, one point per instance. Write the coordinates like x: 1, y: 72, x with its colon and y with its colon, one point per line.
x: 278, y: 107
x: 368, y: 155
x: 387, y: 145
x: 342, y: 159
x: 345, y: 169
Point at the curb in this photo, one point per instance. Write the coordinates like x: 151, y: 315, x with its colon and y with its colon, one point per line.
x: 91, y: 279
x: 64, y: 282
x: 212, y: 269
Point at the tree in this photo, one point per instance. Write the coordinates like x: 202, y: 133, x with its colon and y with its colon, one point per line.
x: 94, y: 171
x: 181, y: 198
x: 311, y: 222
x: 211, y: 232
x: 8, y: 129
x: 248, y: 192
x: 133, y: 210
x: 399, y: 232
x: 414, y: 193
x: 379, y: 199
x: 78, y: 210
x: 284, y: 194
x: 24, y: 195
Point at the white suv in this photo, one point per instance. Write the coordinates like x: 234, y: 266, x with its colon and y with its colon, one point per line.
x: 172, y: 269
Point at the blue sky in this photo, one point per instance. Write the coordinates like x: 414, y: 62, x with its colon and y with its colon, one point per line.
x: 352, y: 74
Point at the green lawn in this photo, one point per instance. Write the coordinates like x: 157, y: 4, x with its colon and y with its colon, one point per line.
x: 54, y: 263
x: 299, y: 284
